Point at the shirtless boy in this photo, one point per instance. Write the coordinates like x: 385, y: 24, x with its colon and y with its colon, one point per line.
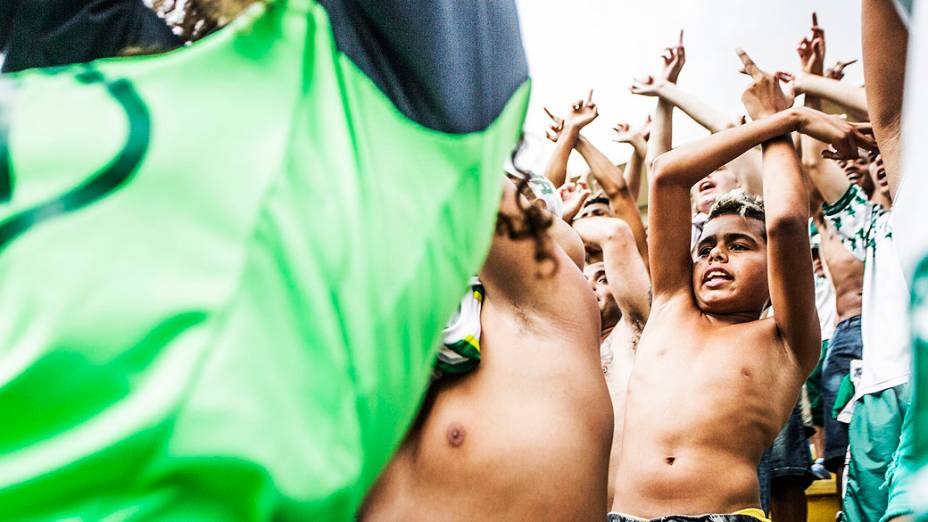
x: 713, y: 383
x: 615, y: 242
x: 622, y: 288
x: 526, y: 435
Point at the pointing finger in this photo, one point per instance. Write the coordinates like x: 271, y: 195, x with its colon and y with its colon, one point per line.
x: 749, y: 66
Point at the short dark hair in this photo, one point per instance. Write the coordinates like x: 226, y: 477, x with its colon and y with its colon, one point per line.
x: 738, y: 202
x: 593, y: 201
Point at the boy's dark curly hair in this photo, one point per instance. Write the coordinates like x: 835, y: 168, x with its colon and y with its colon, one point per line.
x: 532, y: 224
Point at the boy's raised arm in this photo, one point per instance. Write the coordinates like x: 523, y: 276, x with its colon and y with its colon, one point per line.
x: 625, y: 270
x: 674, y: 172
x: 564, y: 133
x: 610, y: 178
x: 885, y: 41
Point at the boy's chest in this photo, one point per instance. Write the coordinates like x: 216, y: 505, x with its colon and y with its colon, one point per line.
x: 686, y: 356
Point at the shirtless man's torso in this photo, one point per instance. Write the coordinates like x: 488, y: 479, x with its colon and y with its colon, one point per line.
x: 527, y: 434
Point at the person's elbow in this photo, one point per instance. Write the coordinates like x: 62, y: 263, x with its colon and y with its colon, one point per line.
x: 790, y: 225
x: 620, y: 233
x: 664, y: 170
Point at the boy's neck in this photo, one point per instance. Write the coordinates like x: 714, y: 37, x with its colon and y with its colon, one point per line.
x: 733, y: 318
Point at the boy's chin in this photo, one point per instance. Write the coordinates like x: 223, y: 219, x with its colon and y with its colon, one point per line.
x: 719, y: 305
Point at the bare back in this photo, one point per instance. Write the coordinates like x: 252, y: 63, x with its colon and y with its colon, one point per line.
x: 527, y: 434
x: 704, y: 401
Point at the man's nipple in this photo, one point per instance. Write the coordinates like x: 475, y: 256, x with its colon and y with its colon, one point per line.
x: 456, y: 434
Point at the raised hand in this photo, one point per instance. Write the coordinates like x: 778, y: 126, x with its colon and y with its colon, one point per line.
x: 582, y: 112
x: 574, y: 196
x: 647, y: 86
x: 674, y: 58
x: 845, y: 137
x: 636, y: 137
x: 555, y: 128
x: 836, y: 72
x: 764, y: 96
x: 811, y: 50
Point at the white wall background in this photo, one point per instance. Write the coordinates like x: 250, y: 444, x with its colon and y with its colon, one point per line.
x: 602, y: 44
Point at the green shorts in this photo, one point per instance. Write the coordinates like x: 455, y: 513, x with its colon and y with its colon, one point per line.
x: 814, y: 389
x: 881, y: 457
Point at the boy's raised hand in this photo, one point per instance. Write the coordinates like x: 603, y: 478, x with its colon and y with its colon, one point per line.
x: 555, y: 128
x: 647, y: 86
x: 673, y: 58
x: 811, y: 50
x: 582, y: 112
x: 845, y: 137
x: 836, y: 72
x: 764, y: 96
x: 574, y: 196
x: 636, y: 137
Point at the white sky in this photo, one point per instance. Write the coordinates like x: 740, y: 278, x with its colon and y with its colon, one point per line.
x: 602, y: 44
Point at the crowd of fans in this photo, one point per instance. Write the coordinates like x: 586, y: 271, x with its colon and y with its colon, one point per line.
x: 707, y: 364
x: 759, y: 312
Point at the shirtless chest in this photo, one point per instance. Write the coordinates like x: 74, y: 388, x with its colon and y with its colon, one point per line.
x: 702, y: 401
x: 847, y: 274
x: 692, y: 371
x: 536, y: 411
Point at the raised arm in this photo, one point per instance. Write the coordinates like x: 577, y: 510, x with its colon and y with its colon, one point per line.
x: 662, y: 124
x: 885, y: 40
x: 638, y: 139
x: 513, y: 265
x: 707, y: 116
x: 786, y: 201
x: 827, y: 177
x: 746, y: 167
x: 625, y: 270
x: 610, y: 178
x: 844, y: 94
x: 564, y: 133
x: 789, y: 256
x: 674, y: 173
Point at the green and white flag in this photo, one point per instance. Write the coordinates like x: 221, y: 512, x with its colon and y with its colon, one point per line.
x: 224, y: 269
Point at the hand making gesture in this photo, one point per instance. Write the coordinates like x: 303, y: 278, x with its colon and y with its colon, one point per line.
x: 636, y: 137
x: 763, y: 97
x: 812, y: 50
x: 582, y: 112
x: 674, y: 58
x: 836, y: 72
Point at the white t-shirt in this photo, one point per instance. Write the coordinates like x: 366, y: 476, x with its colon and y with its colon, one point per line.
x: 866, y: 230
x: 824, y: 292
x: 825, y: 304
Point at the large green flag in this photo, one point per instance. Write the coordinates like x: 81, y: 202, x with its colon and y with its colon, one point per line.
x: 223, y: 270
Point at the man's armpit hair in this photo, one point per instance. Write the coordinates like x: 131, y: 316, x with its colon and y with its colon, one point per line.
x: 738, y: 202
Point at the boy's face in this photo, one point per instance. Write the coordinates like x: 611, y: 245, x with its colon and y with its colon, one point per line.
x: 711, y: 187
x: 730, y: 267
x: 858, y: 172
x: 594, y: 208
x: 878, y: 174
x: 609, y: 312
